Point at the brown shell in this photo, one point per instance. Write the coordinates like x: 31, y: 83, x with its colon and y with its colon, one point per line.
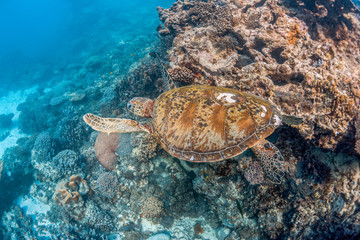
x: 207, y: 124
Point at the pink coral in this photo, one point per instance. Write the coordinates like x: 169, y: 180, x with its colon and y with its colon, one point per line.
x: 105, y: 149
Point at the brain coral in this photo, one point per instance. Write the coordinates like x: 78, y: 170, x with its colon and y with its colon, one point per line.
x: 303, y: 57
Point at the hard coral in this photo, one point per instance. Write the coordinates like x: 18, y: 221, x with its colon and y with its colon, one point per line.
x: 181, y: 74
x: 68, y: 130
x: 66, y: 163
x: 254, y: 173
x: 145, y: 146
x: 357, y: 136
x: 152, y: 208
x: 69, y: 192
x: 105, y: 149
x: 107, y: 184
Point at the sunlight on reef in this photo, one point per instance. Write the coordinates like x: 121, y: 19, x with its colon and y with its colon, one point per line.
x: 8, y: 105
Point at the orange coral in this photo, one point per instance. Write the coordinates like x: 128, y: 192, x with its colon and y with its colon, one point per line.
x: 70, y: 191
x: 294, y: 34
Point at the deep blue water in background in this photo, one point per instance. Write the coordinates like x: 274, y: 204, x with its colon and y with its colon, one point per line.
x: 40, y: 37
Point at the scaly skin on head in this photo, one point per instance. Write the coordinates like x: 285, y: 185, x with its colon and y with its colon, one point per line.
x: 140, y: 106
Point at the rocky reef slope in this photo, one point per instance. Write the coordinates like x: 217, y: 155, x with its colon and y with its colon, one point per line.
x: 304, y: 56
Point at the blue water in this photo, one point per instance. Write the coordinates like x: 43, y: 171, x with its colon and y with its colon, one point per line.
x: 40, y: 37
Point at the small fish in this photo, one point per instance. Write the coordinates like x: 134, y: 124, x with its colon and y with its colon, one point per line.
x: 132, y: 54
x: 204, y: 174
x: 240, y: 208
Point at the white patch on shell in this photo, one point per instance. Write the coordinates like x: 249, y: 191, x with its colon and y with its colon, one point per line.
x: 192, y: 158
x: 263, y: 114
x: 227, y: 97
x: 263, y: 107
x: 277, y: 120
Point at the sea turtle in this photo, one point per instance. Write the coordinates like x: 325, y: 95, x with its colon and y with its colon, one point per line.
x: 206, y: 124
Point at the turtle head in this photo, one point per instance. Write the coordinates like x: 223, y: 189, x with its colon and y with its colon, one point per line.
x: 142, y: 107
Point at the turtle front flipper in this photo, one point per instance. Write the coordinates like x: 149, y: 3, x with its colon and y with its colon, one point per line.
x: 291, y: 120
x: 113, y: 125
x: 271, y: 160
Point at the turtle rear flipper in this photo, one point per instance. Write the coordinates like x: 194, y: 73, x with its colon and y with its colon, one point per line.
x: 271, y: 160
x: 113, y: 125
x: 291, y: 120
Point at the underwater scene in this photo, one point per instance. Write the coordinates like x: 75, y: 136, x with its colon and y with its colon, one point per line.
x: 180, y: 120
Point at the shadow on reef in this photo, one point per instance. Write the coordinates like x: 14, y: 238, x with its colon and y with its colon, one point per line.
x: 16, y: 173
x: 330, y: 15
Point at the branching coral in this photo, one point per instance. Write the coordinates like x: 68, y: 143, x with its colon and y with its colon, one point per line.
x: 152, y: 208
x: 107, y: 184
x: 66, y: 163
x: 181, y: 74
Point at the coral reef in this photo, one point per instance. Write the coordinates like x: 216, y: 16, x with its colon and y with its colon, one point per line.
x: 181, y: 74
x: 105, y: 149
x: 145, y: 146
x: 107, y: 185
x: 152, y: 208
x: 66, y: 163
x: 302, y: 55
x: 287, y: 52
x: 357, y: 136
x: 254, y: 174
x: 69, y: 128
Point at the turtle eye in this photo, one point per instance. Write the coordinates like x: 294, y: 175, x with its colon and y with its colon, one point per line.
x: 129, y: 105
